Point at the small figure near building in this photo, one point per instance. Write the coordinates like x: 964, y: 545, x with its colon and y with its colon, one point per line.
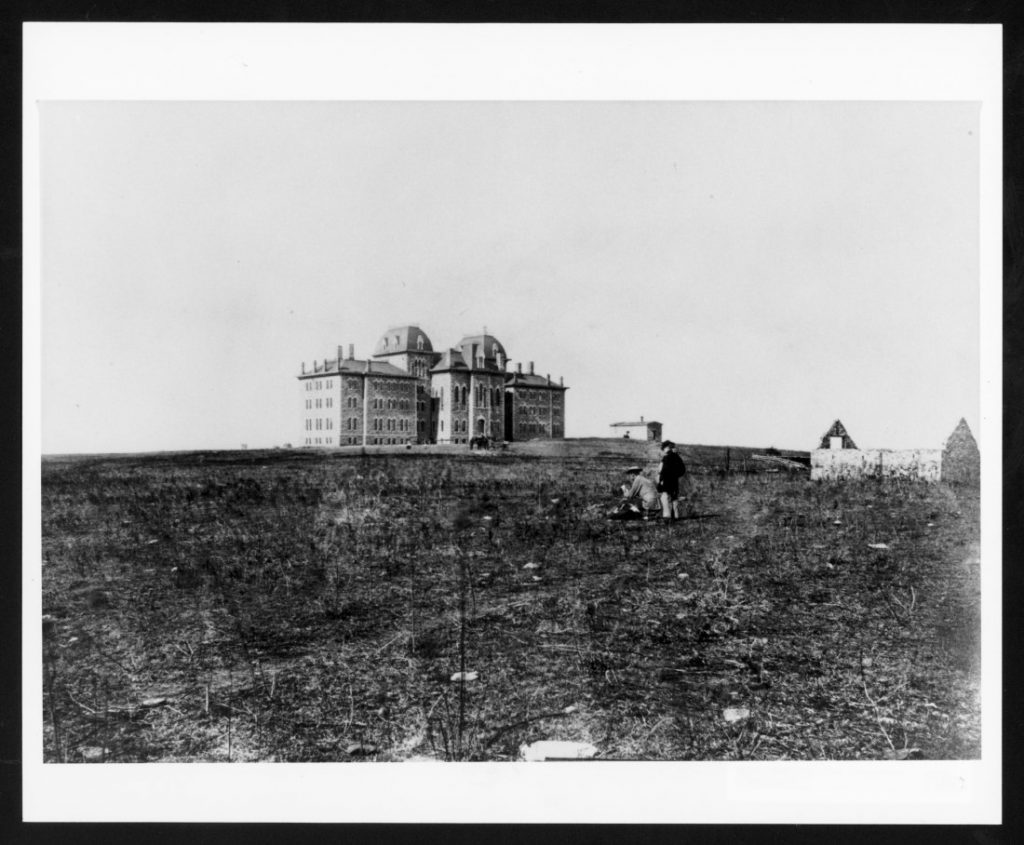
x: 641, y: 430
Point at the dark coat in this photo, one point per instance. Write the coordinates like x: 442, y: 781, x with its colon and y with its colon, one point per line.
x: 671, y: 470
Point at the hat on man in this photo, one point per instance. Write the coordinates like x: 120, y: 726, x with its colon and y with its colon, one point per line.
x: 665, y: 444
x: 629, y: 470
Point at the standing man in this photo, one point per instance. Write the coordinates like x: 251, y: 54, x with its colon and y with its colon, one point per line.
x: 670, y: 473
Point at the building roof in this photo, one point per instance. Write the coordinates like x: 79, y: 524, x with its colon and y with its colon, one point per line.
x: 961, y: 436
x: 451, y: 359
x: 356, y: 367
x: 527, y: 380
x: 487, y: 345
x: 837, y: 430
x: 631, y: 424
x: 401, y: 339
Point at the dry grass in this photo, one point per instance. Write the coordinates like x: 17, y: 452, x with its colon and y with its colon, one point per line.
x: 299, y: 607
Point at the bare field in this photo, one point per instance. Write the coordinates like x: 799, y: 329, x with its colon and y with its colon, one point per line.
x: 285, y: 606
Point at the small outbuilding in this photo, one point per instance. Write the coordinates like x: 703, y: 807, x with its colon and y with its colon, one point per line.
x: 642, y: 430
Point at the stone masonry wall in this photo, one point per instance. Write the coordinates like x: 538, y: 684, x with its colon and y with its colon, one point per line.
x: 837, y: 464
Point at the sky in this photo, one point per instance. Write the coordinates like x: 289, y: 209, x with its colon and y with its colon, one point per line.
x: 743, y: 272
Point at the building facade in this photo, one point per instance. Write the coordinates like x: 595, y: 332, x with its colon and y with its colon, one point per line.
x: 408, y: 392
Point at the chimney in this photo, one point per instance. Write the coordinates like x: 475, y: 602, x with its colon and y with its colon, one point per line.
x: 303, y: 367
x: 641, y: 418
x: 341, y: 355
x: 561, y: 381
x: 519, y: 367
x: 531, y: 368
x: 325, y: 365
x: 367, y: 365
x: 351, y: 350
x: 549, y: 378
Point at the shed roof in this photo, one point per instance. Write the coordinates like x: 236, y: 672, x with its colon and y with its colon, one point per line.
x: 647, y: 423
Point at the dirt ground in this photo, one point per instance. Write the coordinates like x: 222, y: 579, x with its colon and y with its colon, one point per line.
x: 287, y: 606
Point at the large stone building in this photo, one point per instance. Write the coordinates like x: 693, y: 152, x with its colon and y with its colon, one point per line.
x: 409, y: 393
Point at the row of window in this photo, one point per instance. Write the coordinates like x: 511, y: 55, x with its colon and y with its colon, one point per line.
x: 532, y: 395
x: 398, y: 342
x: 482, y: 395
x: 320, y: 403
x: 391, y: 424
x: 319, y: 424
x: 319, y: 441
x: 381, y: 404
x: 319, y: 384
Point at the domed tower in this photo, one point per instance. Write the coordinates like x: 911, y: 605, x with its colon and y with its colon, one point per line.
x: 483, y: 352
x: 409, y: 349
x: 472, y: 375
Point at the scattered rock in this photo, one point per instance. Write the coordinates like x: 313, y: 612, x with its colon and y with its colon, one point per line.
x: 553, y: 749
x: 735, y: 714
x: 536, y: 577
x: 92, y: 753
x: 877, y: 546
x: 866, y: 662
x: 465, y: 677
x: 531, y: 565
x: 360, y: 749
x: 153, y: 702
x: 682, y: 576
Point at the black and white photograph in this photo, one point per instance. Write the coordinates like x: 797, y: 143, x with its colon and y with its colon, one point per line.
x: 512, y: 432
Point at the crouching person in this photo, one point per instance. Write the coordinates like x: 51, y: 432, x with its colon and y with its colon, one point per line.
x: 638, y: 489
